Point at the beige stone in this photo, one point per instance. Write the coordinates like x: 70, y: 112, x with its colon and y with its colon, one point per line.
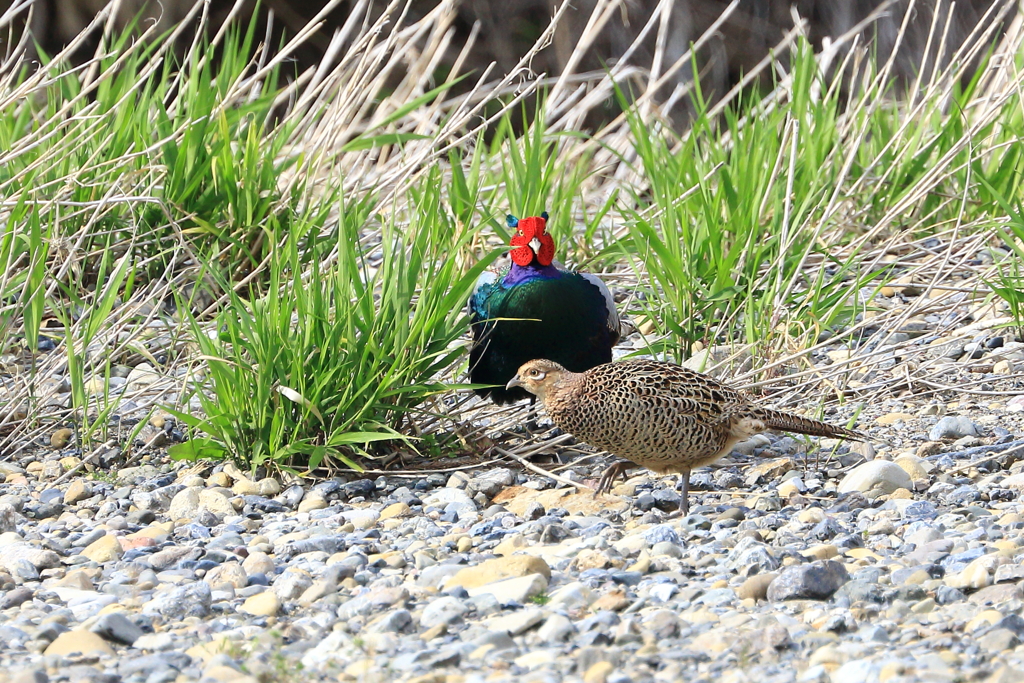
x: 499, y: 569
x: 822, y: 551
x: 268, y: 486
x: 104, y: 549
x: 755, y: 587
x: 219, y: 479
x: 612, y: 601
x: 258, y: 563
x: 158, y: 531
x: 972, y: 577
x: 231, y: 469
x: 79, y: 579
x: 245, y: 487
x: 642, y: 564
x: 204, y: 652
x: 77, y: 491
x: 230, y: 573
x: 862, y: 553
x: 317, y: 590
x: 716, y: 640
x: 227, y: 674
x: 82, y: 642
x: 265, y: 604
x: 508, y: 546
x: 312, y: 502
x: 810, y: 516
x: 591, y: 559
x: 989, y: 617
x: 769, y: 471
x: 787, y: 489
x: 517, y: 499
x: 394, y: 510
x: 913, y: 466
x: 61, y: 437
x: 893, y: 418
x: 598, y: 672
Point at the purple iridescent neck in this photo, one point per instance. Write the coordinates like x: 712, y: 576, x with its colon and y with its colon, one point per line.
x: 518, y: 274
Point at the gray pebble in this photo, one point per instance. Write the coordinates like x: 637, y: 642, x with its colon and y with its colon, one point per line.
x: 952, y: 427
x: 814, y: 581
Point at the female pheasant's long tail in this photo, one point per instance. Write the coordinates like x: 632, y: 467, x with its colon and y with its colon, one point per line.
x: 787, y: 422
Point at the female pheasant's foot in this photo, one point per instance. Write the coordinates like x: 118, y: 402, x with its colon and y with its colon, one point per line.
x: 615, y: 471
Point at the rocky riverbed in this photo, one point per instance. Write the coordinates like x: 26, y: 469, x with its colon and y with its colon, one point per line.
x: 882, y: 570
x: 814, y: 561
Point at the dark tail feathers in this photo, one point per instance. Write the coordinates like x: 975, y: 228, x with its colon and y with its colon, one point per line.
x: 787, y: 422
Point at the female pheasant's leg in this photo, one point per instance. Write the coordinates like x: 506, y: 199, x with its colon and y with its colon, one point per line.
x: 684, y: 502
x: 613, y: 472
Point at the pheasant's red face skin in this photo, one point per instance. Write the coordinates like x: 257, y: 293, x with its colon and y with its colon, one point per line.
x: 528, y: 230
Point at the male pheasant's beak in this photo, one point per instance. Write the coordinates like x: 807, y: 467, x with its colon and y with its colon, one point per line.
x: 535, y: 245
x: 514, y: 382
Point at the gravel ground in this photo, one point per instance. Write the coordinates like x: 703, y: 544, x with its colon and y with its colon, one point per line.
x: 897, y: 561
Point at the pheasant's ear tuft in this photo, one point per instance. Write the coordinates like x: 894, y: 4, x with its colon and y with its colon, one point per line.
x: 544, y: 215
x: 511, y: 221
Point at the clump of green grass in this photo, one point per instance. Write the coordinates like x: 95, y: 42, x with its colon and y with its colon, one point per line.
x: 336, y: 355
x: 728, y: 217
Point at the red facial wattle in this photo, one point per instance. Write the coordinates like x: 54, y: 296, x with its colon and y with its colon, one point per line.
x: 546, y: 253
x: 521, y: 253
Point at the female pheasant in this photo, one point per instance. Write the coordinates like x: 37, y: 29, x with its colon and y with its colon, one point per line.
x: 660, y: 416
x: 536, y: 308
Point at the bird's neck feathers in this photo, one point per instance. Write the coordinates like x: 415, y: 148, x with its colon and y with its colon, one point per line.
x: 559, y: 394
x: 518, y: 274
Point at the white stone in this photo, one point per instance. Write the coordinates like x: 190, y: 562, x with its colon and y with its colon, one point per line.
x: 519, y: 589
x: 517, y: 622
x: 362, y: 519
x: 876, y: 475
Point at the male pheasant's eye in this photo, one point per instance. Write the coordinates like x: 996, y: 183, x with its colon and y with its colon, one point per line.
x: 519, y: 232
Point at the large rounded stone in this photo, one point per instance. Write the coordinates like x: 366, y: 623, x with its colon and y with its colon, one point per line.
x: 876, y: 475
x: 499, y: 569
x: 265, y: 604
x: 815, y: 581
x: 81, y: 642
x: 105, y: 549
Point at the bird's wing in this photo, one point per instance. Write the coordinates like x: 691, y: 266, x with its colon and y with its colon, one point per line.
x: 609, y: 300
x: 488, y: 277
x: 670, y: 387
x: 484, y: 285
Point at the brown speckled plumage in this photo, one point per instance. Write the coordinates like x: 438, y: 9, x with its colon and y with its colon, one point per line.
x: 658, y: 415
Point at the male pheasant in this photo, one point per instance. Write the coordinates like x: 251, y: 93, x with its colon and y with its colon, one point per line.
x: 536, y: 308
x: 659, y: 415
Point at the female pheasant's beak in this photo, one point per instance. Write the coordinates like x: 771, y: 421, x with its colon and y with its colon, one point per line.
x: 535, y: 245
x: 514, y: 382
